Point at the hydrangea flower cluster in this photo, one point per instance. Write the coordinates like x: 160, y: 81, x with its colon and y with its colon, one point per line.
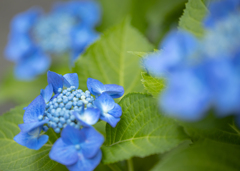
x: 202, y: 74
x: 71, y: 112
x: 68, y: 28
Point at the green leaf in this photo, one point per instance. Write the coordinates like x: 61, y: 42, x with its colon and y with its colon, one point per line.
x: 108, y: 60
x: 212, y: 128
x: 203, y: 155
x: 153, y: 85
x: 193, y: 17
x: 14, y: 157
x: 142, y: 131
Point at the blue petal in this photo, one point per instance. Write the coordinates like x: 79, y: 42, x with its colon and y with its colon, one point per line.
x: 85, y: 164
x: 26, y: 127
x: 186, y: 97
x: 115, y: 91
x: 90, y: 116
x: 63, y: 153
x: 71, y: 79
x: 104, y: 103
x: 32, y: 65
x: 31, y: 139
x: 56, y: 80
x: 223, y: 76
x: 93, y: 142
x: 110, y: 119
x: 19, y: 45
x: 95, y: 86
x: 116, y: 111
x: 23, y: 22
x: 219, y: 10
x: 47, y: 93
x: 72, y: 136
x: 34, y: 109
x: 176, y: 48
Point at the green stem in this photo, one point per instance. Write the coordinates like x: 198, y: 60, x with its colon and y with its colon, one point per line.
x: 130, y: 165
x: 114, y: 167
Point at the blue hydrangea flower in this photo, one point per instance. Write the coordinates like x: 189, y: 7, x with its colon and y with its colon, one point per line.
x: 202, y: 73
x: 35, y: 35
x: 78, y: 149
x: 110, y: 111
x: 97, y: 88
x: 63, y: 107
x: 32, y: 127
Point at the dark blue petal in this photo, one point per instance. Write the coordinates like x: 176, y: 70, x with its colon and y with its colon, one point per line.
x: 116, y: 111
x: 63, y: 153
x: 115, y: 91
x: 93, y: 142
x: 71, y: 79
x: 56, y: 80
x: 95, y: 86
x: 90, y: 116
x: 72, y: 136
x: 32, y: 65
x: 186, y: 97
x: 31, y: 139
x: 85, y: 164
x: 19, y: 45
x: 34, y: 109
x: 26, y: 127
x: 104, y: 103
x: 219, y: 10
x: 47, y: 93
x: 110, y: 119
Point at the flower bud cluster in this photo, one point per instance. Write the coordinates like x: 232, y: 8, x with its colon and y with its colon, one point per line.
x: 59, y: 109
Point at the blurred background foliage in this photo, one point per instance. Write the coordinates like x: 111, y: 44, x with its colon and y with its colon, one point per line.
x: 153, y: 18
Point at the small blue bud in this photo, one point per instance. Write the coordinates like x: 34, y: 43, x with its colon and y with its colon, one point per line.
x: 89, y: 105
x: 75, y: 99
x: 73, y: 88
x: 70, y: 97
x: 45, y: 128
x: 51, y: 106
x: 68, y: 105
x: 55, y: 105
x: 57, y: 130
x: 79, y: 91
x: 59, y: 100
x: 87, y: 92
x: 72, y: 117
x: 64, y: 92
x: 56, y: 119
x: 60, y: 125
x: 64, y: 125
x: 72, y: 124
x: 61, y: 105
x: 66, y: 115
x: 79, y: 103
x: 62, y: 120
x: 78, y: 95
x: 68, y: 89
x: 68, y: 94
x: 59, y: 90
x: 53, y: 125
x: 54, y: 100
x: 53, y: 111
x: 50, y: 103
x: 68, y: 121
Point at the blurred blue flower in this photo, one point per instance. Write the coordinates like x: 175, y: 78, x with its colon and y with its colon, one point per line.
x: 202, y: 73
x: 78, y: 149
x: 68, y: 29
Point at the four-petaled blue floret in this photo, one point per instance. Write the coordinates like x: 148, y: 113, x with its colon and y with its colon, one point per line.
x: 71, y: 111
x: 69, y: 28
